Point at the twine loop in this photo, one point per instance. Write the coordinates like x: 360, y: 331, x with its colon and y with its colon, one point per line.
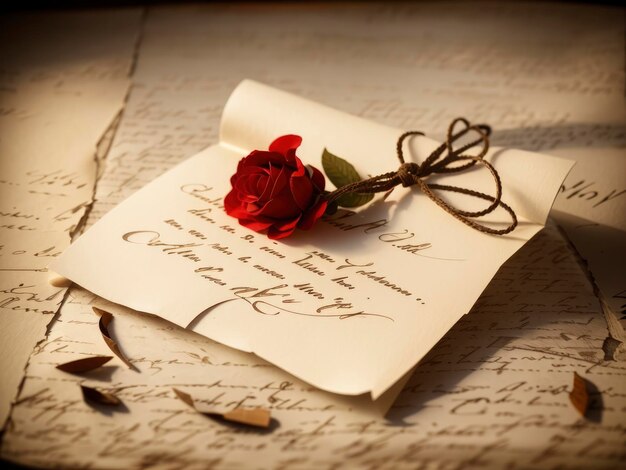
x: 444, y: 159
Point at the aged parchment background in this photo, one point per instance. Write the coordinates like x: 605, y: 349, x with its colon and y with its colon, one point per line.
x: 494, y: 391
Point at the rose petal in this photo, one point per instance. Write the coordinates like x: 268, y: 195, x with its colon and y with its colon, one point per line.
x: 287, y: 225
x: 231, y: 202
x: 237, y: 212
x: 256, y: 185
x: 274, y: 234
x: 256, y: 225
x: 317, y: 178
x: 302, y: 191
x: 286, y: 143
x: 262, y: 186
x: 261, y: 158
x: 246, y: 185
x: 251, y: 208
x: 234, y: 206
x: 281, y: 180
x: 312, y: 215
x: 249, y: 171
x: 277, y: 208
x: 253, y: 183
x: 266, y: 193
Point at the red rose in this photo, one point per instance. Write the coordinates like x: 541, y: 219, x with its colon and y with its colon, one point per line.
x: 274, y: 191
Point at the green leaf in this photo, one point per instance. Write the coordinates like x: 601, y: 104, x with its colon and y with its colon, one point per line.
x: 339, y: 171
x: 342, y: 173
x: 354, y: 199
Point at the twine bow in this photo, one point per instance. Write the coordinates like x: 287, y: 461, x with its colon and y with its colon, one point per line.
x: 442, y: 160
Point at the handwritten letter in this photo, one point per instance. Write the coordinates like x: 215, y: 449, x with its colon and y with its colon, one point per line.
x: 378, y: 288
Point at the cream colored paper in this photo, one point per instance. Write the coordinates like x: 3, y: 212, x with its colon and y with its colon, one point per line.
x: 349, y: 307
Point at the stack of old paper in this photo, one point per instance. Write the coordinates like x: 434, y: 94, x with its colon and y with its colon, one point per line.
x: 56, y: 103
x: 347, y: 307
x: 492, y: 393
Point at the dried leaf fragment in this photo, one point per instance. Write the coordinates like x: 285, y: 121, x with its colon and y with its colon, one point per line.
x: 98, y: 397
x: 257, y: 417
x: 105, y: 320
x: 579, y: 396
x: 184, y: 397
x: 84, y: 365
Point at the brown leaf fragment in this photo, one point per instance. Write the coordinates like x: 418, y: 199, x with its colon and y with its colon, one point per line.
x: 257, y: 417
x: 105, y: 320
x: 184, y: 397
x: 579, y: 396
x: 98, y: 397
x: 84, y: 365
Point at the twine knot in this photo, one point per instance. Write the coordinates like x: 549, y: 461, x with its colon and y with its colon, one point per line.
x: 409, y: 173
x: 444, y: 159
